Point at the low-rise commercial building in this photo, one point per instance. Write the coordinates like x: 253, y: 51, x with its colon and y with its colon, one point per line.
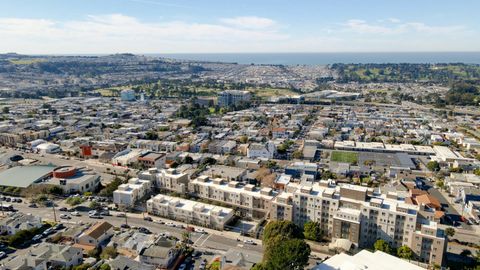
x: 74, y: 180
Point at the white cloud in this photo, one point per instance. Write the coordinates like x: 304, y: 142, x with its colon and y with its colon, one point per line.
x: 111, y: 33
x: 397, y: 27
x: 361, y: 26
x: 249, y: 22
x: 117, y: 32
x: 394, y: 20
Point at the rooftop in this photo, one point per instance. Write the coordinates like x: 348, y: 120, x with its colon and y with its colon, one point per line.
x: 24, y: 176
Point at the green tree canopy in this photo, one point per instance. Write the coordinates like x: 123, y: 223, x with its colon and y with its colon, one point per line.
x: 312, y: 231
x: 405, y: 252
x: 433, y: 166
x: 108, y: 253
x: 285, y: 253
x: 286, y: 229
x: 382, y: 246
x: 450, y: 231
x: 105, y: 267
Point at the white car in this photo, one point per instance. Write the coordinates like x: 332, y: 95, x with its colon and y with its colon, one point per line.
x: 65, y: 216
x: 250, y: 242
x: 120, y: 215
x: 170, y: 224
x: 200, y: 230
x: 75, y: 213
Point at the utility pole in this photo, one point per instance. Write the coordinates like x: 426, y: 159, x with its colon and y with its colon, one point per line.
x: 1, y: 206
x: 125, y: 212
x: 54, y: 213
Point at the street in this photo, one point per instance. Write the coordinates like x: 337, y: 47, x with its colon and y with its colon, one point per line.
x: 215, y: 241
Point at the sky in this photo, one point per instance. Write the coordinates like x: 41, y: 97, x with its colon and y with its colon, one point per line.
x: 246, y: 26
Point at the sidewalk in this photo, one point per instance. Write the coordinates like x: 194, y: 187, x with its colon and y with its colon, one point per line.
x: 228, y: 234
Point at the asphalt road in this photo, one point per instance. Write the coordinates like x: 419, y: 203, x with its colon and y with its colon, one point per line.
x: 215, y: 241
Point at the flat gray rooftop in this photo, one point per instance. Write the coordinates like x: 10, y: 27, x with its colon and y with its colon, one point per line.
x: 24, y: 176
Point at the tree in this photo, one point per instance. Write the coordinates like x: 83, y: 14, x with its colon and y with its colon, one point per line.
x: 285, y: 253
x: 433, y: 166
x: 440, y: 184
x: 312, y: 231
x: 73, y: 201
x: 297, y: 154
x: 466, y: 252
x: 185, y: 240
x: 108, y: 253
x: 111, y: 187
x: 93, y: 253
x: 243, y: 139
x: 405, y: 252
x: 450, y: 231
x: 105, y: 267
x: 6, y: 110
x: 328, y: 175
x: 94, y: 205
x: 284, y: 228
x: 151, y: 135
x: 84, y: 266
x: 381, y: 245
x: 271, y: 164
x: 188, y: 160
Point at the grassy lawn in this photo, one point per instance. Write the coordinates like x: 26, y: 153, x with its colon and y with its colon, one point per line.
x: 348, y: 157
x: 27, y: 61
x: 266, y: 92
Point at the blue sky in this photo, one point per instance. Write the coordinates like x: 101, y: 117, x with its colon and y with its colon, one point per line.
x: 187, y: 26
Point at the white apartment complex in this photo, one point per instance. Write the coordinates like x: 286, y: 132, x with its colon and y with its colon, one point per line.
x: 168, y: 179
x: 202, y: 214
x: 232, y: 97
x: 362, y: 216
x: 127, y: 194
x: 250, y: 200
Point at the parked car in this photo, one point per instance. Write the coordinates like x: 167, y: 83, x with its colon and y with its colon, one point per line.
x: 182, y: 267
x: 96, y: 216
x: 37, y: 238
x: 148, y: 218
x: 125, y: 226
x: 65, y: 216
x: 105, y: 213
x: 144, y: 230
x: 197, y: 254
x: 48, y: 231
x: 200, y: 230
x: 120, y: 215
x: 250, y: 242
x: 63, y: 209
x: 32, y: 205
x: 59, y: 226
x: 76, y: 214
x: 2, y: 254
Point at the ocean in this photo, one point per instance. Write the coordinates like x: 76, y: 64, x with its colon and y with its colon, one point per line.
x: 331, y: 58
